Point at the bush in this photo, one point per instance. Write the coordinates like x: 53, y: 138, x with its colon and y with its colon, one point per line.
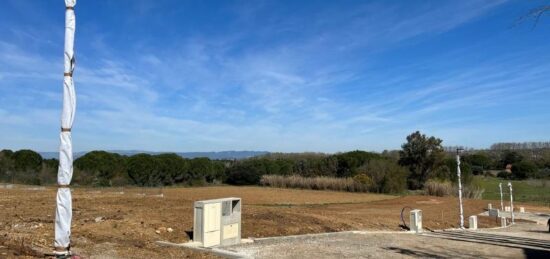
x: 313, y: 183
x: 504, y: 175
x: 245, y: 174
x: 446, y: 188
x: 437, y: 188
x: 385, y: 176
x: 523, y: 169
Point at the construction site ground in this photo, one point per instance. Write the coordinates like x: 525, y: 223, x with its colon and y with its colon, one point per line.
x: 127, y: 222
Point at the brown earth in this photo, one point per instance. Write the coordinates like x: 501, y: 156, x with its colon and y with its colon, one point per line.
x: 132, y: 221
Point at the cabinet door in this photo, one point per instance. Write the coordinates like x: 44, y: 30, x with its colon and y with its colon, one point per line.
x: 212, y: 217
x: 212, y: 224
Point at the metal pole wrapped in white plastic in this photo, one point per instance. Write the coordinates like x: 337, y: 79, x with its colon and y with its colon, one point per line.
x: 459, y: 188
x: 501, y: 199
x: 63, y: 213
x: 511, y: 202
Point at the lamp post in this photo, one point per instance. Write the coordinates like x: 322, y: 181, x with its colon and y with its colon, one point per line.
x: 511, y: 202
x: 458, y: 150
x: 501, y: 199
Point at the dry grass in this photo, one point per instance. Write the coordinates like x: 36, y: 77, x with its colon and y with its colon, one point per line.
x: 313, y: 183
x: 441, y: 189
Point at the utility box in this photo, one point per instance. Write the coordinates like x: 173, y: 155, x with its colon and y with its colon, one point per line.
x: 217, y: 222
x: 416, y: 221
x: 473, y: 222
x: 489, y: 206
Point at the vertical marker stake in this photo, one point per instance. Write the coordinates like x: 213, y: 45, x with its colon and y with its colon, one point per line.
x: 511, y: 202
x: 459, y: 188
x: 501, y: 199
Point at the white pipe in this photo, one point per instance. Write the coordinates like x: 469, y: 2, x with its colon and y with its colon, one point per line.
x: 63, y: 211
x: 459, y: 190
x: 501, y: 199
x: 511, y: 202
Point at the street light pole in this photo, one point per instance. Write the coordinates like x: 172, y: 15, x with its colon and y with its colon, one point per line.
x: 458, y: 150
x: 511, y: 202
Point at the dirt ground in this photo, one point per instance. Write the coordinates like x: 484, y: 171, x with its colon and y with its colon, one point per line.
x: 125, y: 223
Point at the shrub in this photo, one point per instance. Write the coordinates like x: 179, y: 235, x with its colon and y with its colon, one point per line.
x: 437, y: 188
x: 446, y: 188
x: 504, y: 175
x: 313, y: 183
x: 385, y: 175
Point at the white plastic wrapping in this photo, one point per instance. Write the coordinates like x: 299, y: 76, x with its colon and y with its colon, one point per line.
x: 63, y: 213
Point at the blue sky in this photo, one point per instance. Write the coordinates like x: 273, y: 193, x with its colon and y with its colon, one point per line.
x: 323, y: 76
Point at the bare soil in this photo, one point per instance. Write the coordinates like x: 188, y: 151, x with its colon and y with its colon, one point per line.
x: 130, y: 220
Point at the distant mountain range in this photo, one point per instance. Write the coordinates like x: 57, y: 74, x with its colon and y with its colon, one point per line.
x: 211, y: 155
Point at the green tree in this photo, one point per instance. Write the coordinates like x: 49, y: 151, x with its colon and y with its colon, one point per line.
x: 510, y: 158
x: 386, y: 176
x: 523, y: 169
x: 423, y: 156
x: 27, y: 165
x: 466, y: 172
x: 479, y: 162
x: 201, y: 169
x: 6, y: 165
x: 143, y: 170
x: 99, y: 167
x: 172, y: 168
x: 348, y: 162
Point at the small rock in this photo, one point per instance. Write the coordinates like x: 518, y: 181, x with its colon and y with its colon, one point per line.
x: 98, y: 219
x: 157, y: 231
x: 170, y: 230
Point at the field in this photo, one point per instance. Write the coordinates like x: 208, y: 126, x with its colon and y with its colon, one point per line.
x: 125, y: 223
x: 531, y: 191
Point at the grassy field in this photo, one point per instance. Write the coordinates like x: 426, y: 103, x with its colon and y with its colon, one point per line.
x: 530, y: 191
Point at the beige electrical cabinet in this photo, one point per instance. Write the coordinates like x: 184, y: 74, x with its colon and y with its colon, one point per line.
x: 217, y: 222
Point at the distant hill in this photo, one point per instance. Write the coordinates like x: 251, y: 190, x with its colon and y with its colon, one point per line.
x: 211, y: 155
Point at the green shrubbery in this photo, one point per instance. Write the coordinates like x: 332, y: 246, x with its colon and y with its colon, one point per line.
x: 421, y: 164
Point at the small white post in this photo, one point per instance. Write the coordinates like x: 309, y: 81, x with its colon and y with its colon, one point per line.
x: 501, y: 200
x: 473, y: 222
x: 416, y: 220
x: 459, y: 188
x: 511, y: 202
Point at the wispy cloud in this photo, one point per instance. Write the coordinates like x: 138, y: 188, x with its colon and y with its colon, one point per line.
x: 270, y: 77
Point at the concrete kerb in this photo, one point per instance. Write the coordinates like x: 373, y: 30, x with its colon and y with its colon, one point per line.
x: 221, y: 250
x: 195, y: 246
x: 361, y: 232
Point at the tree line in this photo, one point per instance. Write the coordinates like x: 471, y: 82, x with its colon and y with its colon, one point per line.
x: 420, y: 159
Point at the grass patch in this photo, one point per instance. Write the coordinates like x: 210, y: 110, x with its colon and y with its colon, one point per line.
x: 313, y: 183
x: 531, y: 191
